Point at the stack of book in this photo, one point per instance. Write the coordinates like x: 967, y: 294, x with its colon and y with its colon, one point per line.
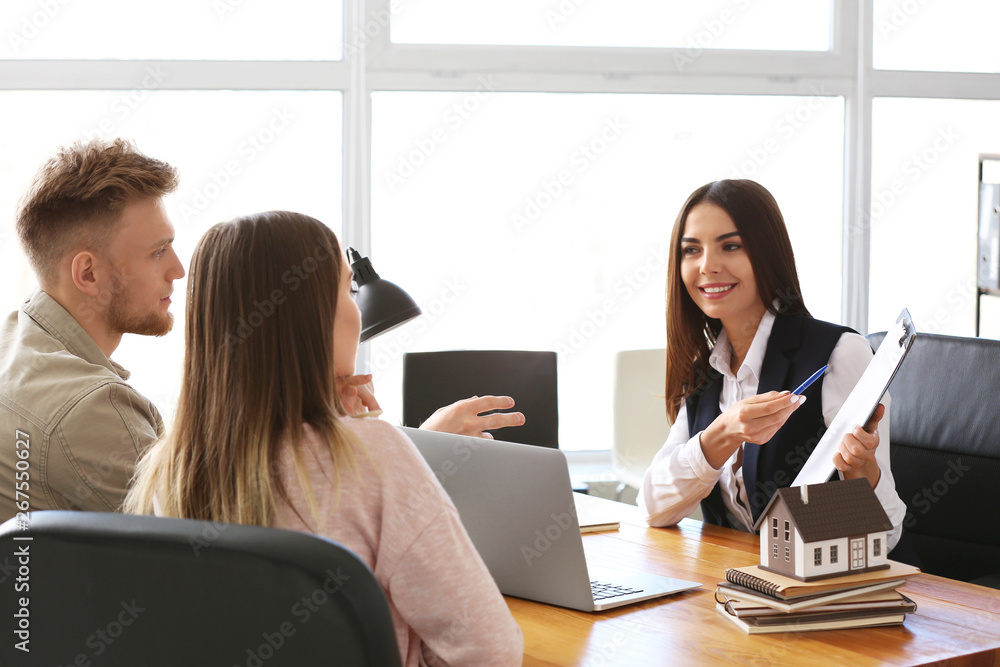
x: 759, y: 601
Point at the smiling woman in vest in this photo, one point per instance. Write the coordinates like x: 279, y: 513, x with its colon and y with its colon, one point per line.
x: 739, y: 337
x: 261, y: 437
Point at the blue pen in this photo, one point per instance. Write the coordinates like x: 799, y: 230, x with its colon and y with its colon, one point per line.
x: 812, y: 378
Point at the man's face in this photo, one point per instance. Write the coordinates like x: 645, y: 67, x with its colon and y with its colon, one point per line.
x: 143, y: 267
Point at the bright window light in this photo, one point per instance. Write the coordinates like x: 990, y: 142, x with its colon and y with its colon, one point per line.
x: 237, y: 153
x: 780, y: 25
x: 924, y: 212
x: 953, y: 36
x: 175, y: 30
x: 567, y: 250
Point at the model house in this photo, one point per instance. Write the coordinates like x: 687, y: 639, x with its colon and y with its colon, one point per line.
x: 824, y: 530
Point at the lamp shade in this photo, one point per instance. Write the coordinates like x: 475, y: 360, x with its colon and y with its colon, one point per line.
x: 384, y: 305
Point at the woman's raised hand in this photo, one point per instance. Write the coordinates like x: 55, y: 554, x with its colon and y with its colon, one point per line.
x: 754, y: 420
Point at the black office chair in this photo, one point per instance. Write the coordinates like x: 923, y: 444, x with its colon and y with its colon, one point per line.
x: 945, y: 446
x: 125, y: 591
x: 435, y: 379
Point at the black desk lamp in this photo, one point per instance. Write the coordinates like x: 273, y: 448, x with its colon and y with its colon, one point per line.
x: 383, y: 305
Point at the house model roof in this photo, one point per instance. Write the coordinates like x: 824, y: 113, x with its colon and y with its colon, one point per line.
x: 835, y: 509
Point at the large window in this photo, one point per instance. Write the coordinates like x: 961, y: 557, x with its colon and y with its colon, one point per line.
x: 718, y: 24
x: 953, y: 36
x: 567, y: 251
x: 924, y: 212
x: 237, y: 153
x: 175, y: 30
x: 517, y: 166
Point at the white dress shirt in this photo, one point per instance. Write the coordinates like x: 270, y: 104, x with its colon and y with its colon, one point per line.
x: 680, y: 476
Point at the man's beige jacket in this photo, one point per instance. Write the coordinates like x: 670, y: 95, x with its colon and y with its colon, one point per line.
x: 68, y: 406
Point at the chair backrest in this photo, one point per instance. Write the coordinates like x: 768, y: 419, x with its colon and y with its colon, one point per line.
x: 432, y: 380
x: 640, y: 417
x: 112, y: 589
x: 945, y: 446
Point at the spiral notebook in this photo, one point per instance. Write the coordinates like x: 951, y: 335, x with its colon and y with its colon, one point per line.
x: 784, y: 588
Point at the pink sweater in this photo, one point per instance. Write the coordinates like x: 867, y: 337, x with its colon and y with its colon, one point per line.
x: 394, y: 514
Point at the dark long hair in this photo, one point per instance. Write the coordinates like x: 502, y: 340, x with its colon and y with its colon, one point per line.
x: 690, y: 333
x: 258, y: 364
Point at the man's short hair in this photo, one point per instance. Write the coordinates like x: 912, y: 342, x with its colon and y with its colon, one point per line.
x: 77, y: 198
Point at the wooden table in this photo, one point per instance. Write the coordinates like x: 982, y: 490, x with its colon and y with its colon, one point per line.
x: 955, y: 623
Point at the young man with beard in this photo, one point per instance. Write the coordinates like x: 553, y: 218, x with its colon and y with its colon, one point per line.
x: 96, y: 233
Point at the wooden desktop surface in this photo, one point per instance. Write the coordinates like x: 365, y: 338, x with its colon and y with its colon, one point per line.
x: 955, y: 623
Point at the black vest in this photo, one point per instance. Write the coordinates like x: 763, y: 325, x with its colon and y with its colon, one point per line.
x: 798, y: 346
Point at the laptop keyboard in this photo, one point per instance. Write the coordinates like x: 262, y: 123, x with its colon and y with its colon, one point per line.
x: 603, y: 591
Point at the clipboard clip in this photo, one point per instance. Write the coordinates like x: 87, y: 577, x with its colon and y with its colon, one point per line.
x: 906, y: 330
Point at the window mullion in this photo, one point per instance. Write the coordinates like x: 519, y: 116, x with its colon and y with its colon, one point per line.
x: 857, y: 181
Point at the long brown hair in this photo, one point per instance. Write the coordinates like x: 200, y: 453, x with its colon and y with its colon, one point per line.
x: 690, y: 333
x: 258, y: 364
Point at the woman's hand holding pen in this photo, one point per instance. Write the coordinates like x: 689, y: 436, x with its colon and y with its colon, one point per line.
x: 755, y: 420
x: 855, y: 455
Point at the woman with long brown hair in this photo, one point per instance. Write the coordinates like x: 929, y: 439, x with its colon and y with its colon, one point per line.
x: 738, y: 337
x: 260, y: 437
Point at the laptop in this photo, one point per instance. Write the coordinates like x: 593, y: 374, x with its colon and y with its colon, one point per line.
x: 516, y: 503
